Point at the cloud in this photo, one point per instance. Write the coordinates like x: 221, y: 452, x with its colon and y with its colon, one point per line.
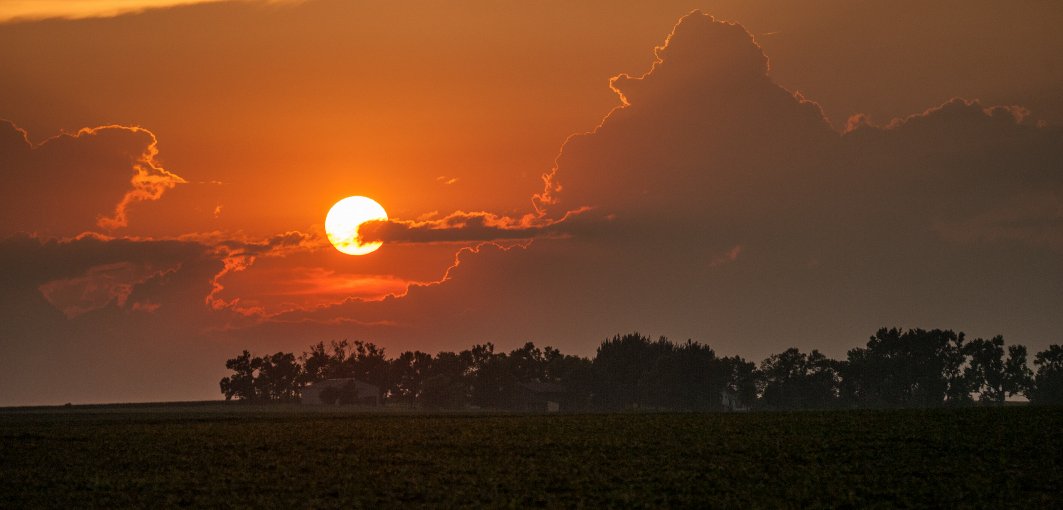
x: 726, y: 257
x: 239, y: 255
x: 466, y: 227
x: 92, y: 272
x: 75, y: 182
x: 704, y: 125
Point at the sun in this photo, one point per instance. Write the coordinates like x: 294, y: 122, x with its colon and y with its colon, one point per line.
x: 343, y: 220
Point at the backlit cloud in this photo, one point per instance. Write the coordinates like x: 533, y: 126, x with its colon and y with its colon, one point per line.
x: 80, y: 181
x: 468, y: 227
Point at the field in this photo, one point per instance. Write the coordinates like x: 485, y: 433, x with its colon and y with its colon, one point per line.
x: 242, y: 456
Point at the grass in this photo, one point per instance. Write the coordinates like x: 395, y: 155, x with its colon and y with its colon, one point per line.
x: 242, y: 456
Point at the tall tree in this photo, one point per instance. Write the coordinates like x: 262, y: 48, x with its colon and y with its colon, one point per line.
x: 914, y: 368
x: 445, y: 385
x: 408, y: 372
x: 993, y: 376
x: 686, y: 376
x: 488, y: 376
x: 741, y: 378
x: 241, y: 385
x: 1048, y: 383
x: 278, y: 377
x: 794, y: 380
x: 574, y: 373
x: 1018, y: 378
x: 620, y: 367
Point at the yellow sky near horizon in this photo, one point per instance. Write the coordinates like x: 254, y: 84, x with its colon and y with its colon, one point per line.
x: 37, y: 9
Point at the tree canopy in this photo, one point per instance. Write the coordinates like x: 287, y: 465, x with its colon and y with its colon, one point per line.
x: 896, y: 368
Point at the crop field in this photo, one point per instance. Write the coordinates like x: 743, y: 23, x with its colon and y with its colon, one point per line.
x: 243, y: 456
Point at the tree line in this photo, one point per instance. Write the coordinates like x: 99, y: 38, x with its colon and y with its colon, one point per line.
x: 897, y: 368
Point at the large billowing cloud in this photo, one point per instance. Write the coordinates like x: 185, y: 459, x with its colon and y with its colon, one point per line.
x: 71, y: 183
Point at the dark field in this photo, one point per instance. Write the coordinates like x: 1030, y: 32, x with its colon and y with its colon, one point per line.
x: 241, y: 456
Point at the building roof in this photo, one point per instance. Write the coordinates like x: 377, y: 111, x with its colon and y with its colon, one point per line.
x: 542, y: 387
x: 339, y: 383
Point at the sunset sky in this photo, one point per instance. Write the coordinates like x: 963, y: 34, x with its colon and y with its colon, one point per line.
x: 773, y: 174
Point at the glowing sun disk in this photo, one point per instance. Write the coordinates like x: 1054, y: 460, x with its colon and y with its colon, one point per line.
x: 343, y: 220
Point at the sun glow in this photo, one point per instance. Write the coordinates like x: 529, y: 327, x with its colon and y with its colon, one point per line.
x: 343, y: 220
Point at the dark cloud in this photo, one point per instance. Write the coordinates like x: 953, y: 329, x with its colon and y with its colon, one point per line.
x: 239, y: 255
x: 704, y: 129
x: 130, y: 316
x: 71, y: 183
x: 89, y: 272
x: 469, y: 227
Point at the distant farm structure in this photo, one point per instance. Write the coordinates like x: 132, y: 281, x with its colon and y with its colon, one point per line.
x: 341, y: 391
x: 539, y: 396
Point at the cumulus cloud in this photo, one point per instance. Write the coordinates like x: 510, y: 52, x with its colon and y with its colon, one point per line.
x: 705, y: 127
x: 80, y: 181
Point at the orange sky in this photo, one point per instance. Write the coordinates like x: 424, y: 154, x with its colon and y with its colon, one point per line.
x: 169, y: 172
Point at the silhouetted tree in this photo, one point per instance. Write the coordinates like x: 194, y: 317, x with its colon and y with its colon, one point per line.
x: 241, y: 385
x: 370, y: 364
x: 620, y: 366
x: 341, y: 360
x: 527, y: 363
x: 320, y: 363
x: 575, y: 373
x: 408, y: 372
x: 993, y: 376
x: 265, y: 378
x: 278, y: 377
x: 916, y: 368
x: 1018, y: 378
x: 1048, y: 383
x: 687, y: 376
x: 913, y: 368
x: 445, y: 385
x: 740, y: 378
x: 488, y: 376
x: 793, y: 380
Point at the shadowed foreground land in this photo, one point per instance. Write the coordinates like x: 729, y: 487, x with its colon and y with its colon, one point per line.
x: 222, y: 455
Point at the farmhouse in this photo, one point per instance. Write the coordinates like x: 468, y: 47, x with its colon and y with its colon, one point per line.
x: 538, y: 396
x: 341, y: 391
